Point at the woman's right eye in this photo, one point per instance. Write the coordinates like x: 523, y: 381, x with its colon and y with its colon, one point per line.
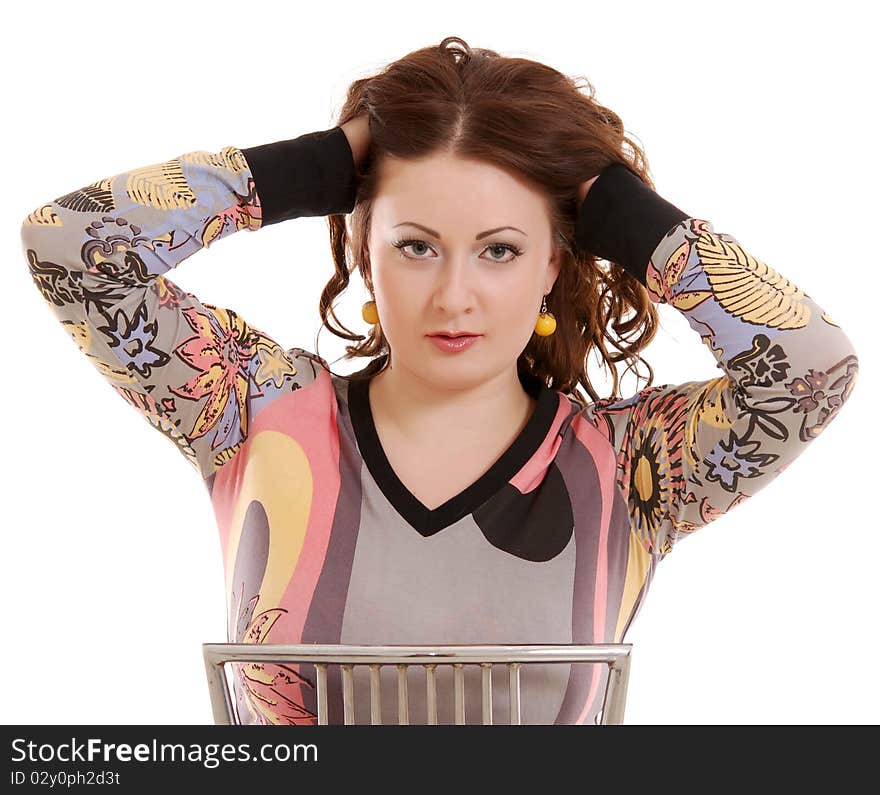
x: 402, y: 244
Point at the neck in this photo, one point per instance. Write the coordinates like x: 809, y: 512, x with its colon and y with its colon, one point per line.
x: 420, y: 410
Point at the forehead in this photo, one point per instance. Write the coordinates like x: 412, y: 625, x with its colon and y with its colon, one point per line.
x: 448, y: 189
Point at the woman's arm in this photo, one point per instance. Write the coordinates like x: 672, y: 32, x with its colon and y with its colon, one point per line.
x: 688, y: 453
x: 357, y: 132
x: 99, y: 256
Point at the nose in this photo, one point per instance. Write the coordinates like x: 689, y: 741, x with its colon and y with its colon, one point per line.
x: 454, y: 289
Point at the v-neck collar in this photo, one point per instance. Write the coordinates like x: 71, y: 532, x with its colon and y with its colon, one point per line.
x: 428, y: 521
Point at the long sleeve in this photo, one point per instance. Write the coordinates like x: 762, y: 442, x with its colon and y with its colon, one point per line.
x: 99, y: 256
x: 688, y: 453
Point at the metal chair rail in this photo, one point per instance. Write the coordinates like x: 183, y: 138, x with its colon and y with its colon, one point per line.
x: 615, y: 655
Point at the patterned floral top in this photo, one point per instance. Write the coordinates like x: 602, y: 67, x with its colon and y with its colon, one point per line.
x: 557, y: 542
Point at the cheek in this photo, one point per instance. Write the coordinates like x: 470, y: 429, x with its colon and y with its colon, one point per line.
x: 519, y: 299
x: 398, y: 303
x: 518, y: 313
x: 387, y: 284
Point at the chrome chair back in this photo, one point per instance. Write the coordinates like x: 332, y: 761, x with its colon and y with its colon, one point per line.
x: 615, y: 655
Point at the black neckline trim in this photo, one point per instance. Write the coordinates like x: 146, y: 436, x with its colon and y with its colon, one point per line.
x: 429, y: 521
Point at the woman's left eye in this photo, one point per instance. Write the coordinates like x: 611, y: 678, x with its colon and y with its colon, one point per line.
x: 514, y: 250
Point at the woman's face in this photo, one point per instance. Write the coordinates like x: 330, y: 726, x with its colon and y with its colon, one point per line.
x: 449, y: 274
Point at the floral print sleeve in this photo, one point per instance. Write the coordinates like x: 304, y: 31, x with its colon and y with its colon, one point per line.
x: 688, y: 453
x: 99, y: 256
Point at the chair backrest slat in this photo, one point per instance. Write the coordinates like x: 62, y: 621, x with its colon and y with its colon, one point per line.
x: 615, y: 655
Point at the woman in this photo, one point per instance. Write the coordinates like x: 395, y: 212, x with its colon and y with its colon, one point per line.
x: 448, y: 492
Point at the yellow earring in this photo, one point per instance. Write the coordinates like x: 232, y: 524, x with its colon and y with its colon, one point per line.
x: 546, y: 323
x: 369, y: 313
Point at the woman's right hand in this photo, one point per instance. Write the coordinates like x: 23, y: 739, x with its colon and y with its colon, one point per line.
x: 357, y: 130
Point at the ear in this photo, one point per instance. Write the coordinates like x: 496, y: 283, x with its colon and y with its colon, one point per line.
x: 368, y: 274
x: 553, y: 268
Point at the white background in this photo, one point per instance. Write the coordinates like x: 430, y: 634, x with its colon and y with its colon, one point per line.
x: 760, y: 117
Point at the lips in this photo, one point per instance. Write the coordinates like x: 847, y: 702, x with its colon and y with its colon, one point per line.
x: 452, y: 344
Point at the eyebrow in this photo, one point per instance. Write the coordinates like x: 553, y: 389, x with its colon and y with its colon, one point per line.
x: 478, y: 237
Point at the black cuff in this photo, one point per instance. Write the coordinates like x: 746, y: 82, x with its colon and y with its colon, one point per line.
x: 310, y: 175
x: 622, y: 220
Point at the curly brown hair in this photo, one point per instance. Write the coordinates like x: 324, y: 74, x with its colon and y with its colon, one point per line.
x: 521, y: 116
